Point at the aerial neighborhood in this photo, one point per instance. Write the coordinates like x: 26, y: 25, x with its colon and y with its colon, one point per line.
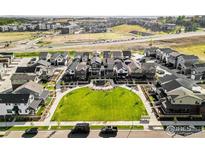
x: 105, y: 73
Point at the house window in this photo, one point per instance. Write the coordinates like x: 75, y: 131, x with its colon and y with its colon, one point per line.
x: 20, y: 111
x: 9, y: 111
x: 180, y: 101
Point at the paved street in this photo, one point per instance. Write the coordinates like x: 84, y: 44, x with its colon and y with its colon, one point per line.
x: 96, y: 134
x: 28, y: 46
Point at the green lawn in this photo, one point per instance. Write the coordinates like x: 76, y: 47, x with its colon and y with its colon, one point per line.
x: 86, y: 104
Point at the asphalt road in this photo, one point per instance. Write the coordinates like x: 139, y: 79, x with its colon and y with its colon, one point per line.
x: 95, y: 134
x: 28, y: 47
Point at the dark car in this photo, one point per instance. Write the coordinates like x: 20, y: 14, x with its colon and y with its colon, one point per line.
x: 109, y: 130
x: 31, y: 131
x: 81, y: 128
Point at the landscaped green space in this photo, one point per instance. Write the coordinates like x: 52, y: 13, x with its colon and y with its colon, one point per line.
x: 85, y: 104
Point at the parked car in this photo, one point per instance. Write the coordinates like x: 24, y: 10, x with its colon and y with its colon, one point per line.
x: 81, y: 128
x: 31, y: 131
x: 109, y: 130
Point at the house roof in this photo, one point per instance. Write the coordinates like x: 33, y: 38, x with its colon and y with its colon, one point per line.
x: 176, y: 83
x: 166, y: 50
x: 14, y: 98
x: 96, y: 59
x: 127, y: 53
x: 106, y: 54
x: 117, y: 54
x: 133, y: 66
x: 55, y: 55
x: 151, y: 49
x: 73, y: 65
x: 148, y: 66
x: 35, y: 104
x: 31, y: 86
x: 30, y: 69
x: 43, y: 55
x: 188, y: 57
x: 174, y: 54
x: 120, y: 65
x: 81, y: 66
x: 171, y: 85
x: 199, y: 65
x: 23, y: 76
x: 167, y: 78
x: 43, y: 62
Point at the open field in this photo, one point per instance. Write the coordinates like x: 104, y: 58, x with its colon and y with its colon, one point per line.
x: 59, y: 39
x: 129, y: 28
x: 16, y: 36
x: 196, y: 49
x: 85, y: 104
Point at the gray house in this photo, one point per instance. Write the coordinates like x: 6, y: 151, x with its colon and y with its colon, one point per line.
x: 70, y: 73
x: 184, y: 63
x: 120, y: 70
x: 20, y: 104
x: 34, y: 89
x: 148, y: 70
x: 117, y: 55
x: 127, y: 54
x: 165, y: 54
x: 150, y: 52
x: 95, y: 66
x: 106, y: 54
x: 198, y: 71
x: 107, y: 68
x: 18, y: 79
x: 2, y: 71
x: 59, y: 59
x: 172, y: 59
x: 81, y: 71
x: 44, y: 56
x: 134, y: 70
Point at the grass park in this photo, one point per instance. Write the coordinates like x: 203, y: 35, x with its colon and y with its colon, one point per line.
x: 85, y: 104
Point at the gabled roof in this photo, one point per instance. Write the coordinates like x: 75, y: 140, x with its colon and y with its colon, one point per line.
x: 23, y: 76
x: 73, y: 65
x: 166, y: 50
x: 30, y: 69
x: 35, y: 104
x: 96, y: 59
x: 127, y: 53
x: 106, y: 54
x: 199, y: 65
x: 169, y: 86
x: 14, y: 98
x: 188, y: 57
x: 43, y: 62
x: 37, y: 88
x: 174, y: 54
x: 117, y: 54
x: 81, y: 66
x: 167, y: 78
x: 43, y: 55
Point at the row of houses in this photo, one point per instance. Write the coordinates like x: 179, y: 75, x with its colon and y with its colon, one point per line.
x: 112, y: 65
x: 177, y: 97
x: 5, y: 61
x: 42, y: 26
x: 186, y: 64
x: 26, y: 95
